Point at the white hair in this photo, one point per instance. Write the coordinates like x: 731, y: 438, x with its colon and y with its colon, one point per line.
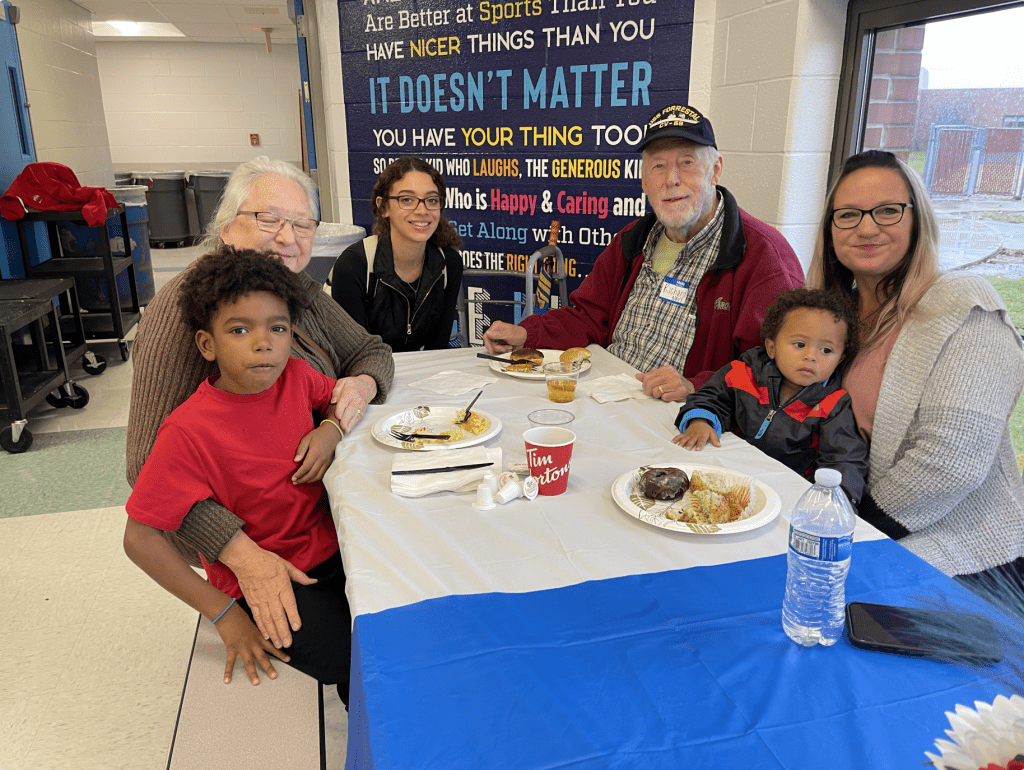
x: 239, y: 187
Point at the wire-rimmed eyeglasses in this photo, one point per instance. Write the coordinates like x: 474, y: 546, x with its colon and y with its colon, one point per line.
x: 884, y: 215
x: 269, y: 222
x: 410, y: 202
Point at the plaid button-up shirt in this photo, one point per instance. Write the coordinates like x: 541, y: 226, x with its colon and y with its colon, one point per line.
x: 653, y: 332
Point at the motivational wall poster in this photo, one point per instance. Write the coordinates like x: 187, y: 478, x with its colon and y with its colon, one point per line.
x: 531, y: 110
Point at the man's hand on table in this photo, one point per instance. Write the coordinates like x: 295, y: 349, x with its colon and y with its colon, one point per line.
x: 503, y: 337
x: 266, y: 582
x: 666, y: 383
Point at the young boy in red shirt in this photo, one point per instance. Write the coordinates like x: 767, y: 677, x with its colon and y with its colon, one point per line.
x: 246, y: 439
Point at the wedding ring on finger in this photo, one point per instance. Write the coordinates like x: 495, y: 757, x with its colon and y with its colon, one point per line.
x: 661, y: 389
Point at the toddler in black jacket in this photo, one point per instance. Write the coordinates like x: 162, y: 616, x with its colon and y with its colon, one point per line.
x: 785, y: 398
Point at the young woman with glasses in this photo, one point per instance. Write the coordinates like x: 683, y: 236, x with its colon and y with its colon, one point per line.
x: 407, y: 289
x: 940, y: 369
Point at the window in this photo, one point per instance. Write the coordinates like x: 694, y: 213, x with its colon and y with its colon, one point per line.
x: 940, y: 83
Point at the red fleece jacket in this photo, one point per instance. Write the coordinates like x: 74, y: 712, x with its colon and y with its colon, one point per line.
x: 54, y: 187
x: 754, y: 265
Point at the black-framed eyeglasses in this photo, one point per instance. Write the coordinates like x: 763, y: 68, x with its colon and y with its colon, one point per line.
x: 410, y: 202
x: 884, y: 215
x: 269, y: 222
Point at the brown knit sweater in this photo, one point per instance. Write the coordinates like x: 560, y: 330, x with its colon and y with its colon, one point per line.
x: 167, y: 369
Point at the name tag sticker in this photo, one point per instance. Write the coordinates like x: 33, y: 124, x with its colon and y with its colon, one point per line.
x: 673, y: 290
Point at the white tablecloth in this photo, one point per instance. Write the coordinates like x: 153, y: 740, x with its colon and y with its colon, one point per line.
x: 398, y: 551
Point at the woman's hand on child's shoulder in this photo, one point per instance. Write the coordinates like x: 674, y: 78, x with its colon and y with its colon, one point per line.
x: 696, y: 435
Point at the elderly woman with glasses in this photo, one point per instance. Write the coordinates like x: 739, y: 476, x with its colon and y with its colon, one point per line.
x: 407, y: 289
x: 270, y: 206
x: 939, y: 371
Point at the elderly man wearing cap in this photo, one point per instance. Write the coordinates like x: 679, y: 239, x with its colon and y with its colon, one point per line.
x: 682, y: 291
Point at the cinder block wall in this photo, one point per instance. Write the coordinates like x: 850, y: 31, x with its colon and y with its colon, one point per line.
x: 58, y: 55
x: 192, y: 106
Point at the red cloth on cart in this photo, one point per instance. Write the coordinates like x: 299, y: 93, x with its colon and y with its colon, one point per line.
x: 49, y: 186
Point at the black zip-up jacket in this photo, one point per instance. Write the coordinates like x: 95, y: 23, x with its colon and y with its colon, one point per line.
x: 388, y: 306
x: 814, y: 429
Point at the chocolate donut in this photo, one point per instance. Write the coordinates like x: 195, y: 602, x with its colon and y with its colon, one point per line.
x: 664, y: 483
x: 530, y: 354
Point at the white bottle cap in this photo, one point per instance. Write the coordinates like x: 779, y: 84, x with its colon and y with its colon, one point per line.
x: 828, y: 477
x: 509, y: 492
x: 491, y: 481
x: 484, y: 498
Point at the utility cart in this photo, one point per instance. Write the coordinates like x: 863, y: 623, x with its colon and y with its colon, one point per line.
x: 106, y: 265
x: 34, y: 359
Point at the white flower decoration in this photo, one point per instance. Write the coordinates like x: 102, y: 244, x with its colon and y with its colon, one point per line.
x: 983, y: 735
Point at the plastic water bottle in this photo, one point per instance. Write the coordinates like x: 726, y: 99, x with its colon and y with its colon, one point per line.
x: 820, y: 545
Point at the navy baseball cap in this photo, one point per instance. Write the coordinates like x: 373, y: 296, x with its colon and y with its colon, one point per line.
x: 679, y: 121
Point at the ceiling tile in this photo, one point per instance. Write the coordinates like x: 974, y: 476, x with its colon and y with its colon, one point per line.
x: 204, y: 20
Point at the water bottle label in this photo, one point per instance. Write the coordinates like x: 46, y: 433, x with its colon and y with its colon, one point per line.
x: 821, y: 548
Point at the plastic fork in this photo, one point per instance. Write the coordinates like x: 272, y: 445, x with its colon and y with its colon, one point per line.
x: 468, y: 413
x: 408, y: 435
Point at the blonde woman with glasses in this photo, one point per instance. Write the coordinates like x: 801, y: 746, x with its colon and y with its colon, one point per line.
x: 939, y: 371
x: 403, y: 281
x: 269, y: 206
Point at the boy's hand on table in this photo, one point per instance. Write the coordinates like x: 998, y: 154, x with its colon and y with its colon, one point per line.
x: 243, y: 640
x: 266, y: 582
x: 697, y: 434
x: 316, y: 452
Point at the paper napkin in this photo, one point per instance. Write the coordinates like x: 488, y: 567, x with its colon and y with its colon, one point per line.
x: 418, y: 485
x: 453, y: 383
x: 618, y: 387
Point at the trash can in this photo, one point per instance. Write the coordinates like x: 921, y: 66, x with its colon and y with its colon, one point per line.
x: 330, y: 240
x: 165, y: 199
x: 80, y: 241
x: 207, y: 186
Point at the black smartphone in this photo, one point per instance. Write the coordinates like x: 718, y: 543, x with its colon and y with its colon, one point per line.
x: 956, y: 636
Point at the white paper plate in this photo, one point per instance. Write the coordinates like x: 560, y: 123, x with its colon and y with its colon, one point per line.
x: 440, y: 419
x: 550, y: 356
x: 625, y: 493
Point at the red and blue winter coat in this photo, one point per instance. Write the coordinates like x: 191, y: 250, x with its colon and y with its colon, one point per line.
x: 813, y: 429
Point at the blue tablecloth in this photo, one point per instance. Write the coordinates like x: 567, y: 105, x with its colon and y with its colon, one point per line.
x: 680, y: 669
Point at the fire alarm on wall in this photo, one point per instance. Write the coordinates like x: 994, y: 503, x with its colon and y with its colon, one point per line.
x: 254, y: 139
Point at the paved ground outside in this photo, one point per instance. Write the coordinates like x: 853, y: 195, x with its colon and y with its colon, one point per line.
x: 981, y: 235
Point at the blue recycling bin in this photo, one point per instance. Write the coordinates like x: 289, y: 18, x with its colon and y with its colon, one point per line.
x: 78, y: 240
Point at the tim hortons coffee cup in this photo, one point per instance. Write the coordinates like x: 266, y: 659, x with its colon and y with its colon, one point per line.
x: 548, y: 451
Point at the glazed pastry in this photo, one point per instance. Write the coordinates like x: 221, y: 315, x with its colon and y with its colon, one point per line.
x: 664, y: 483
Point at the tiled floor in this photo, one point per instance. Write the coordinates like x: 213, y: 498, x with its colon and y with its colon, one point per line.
x: 94, y: 653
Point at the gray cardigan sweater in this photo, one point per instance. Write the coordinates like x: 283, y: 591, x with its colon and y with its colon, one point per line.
x: 942, y: 466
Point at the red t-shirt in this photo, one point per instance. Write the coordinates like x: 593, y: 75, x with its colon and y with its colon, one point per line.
x: 239, y: 450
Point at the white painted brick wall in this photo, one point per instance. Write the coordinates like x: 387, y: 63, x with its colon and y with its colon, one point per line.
x: 62, y: 84
x: 192, y: 106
